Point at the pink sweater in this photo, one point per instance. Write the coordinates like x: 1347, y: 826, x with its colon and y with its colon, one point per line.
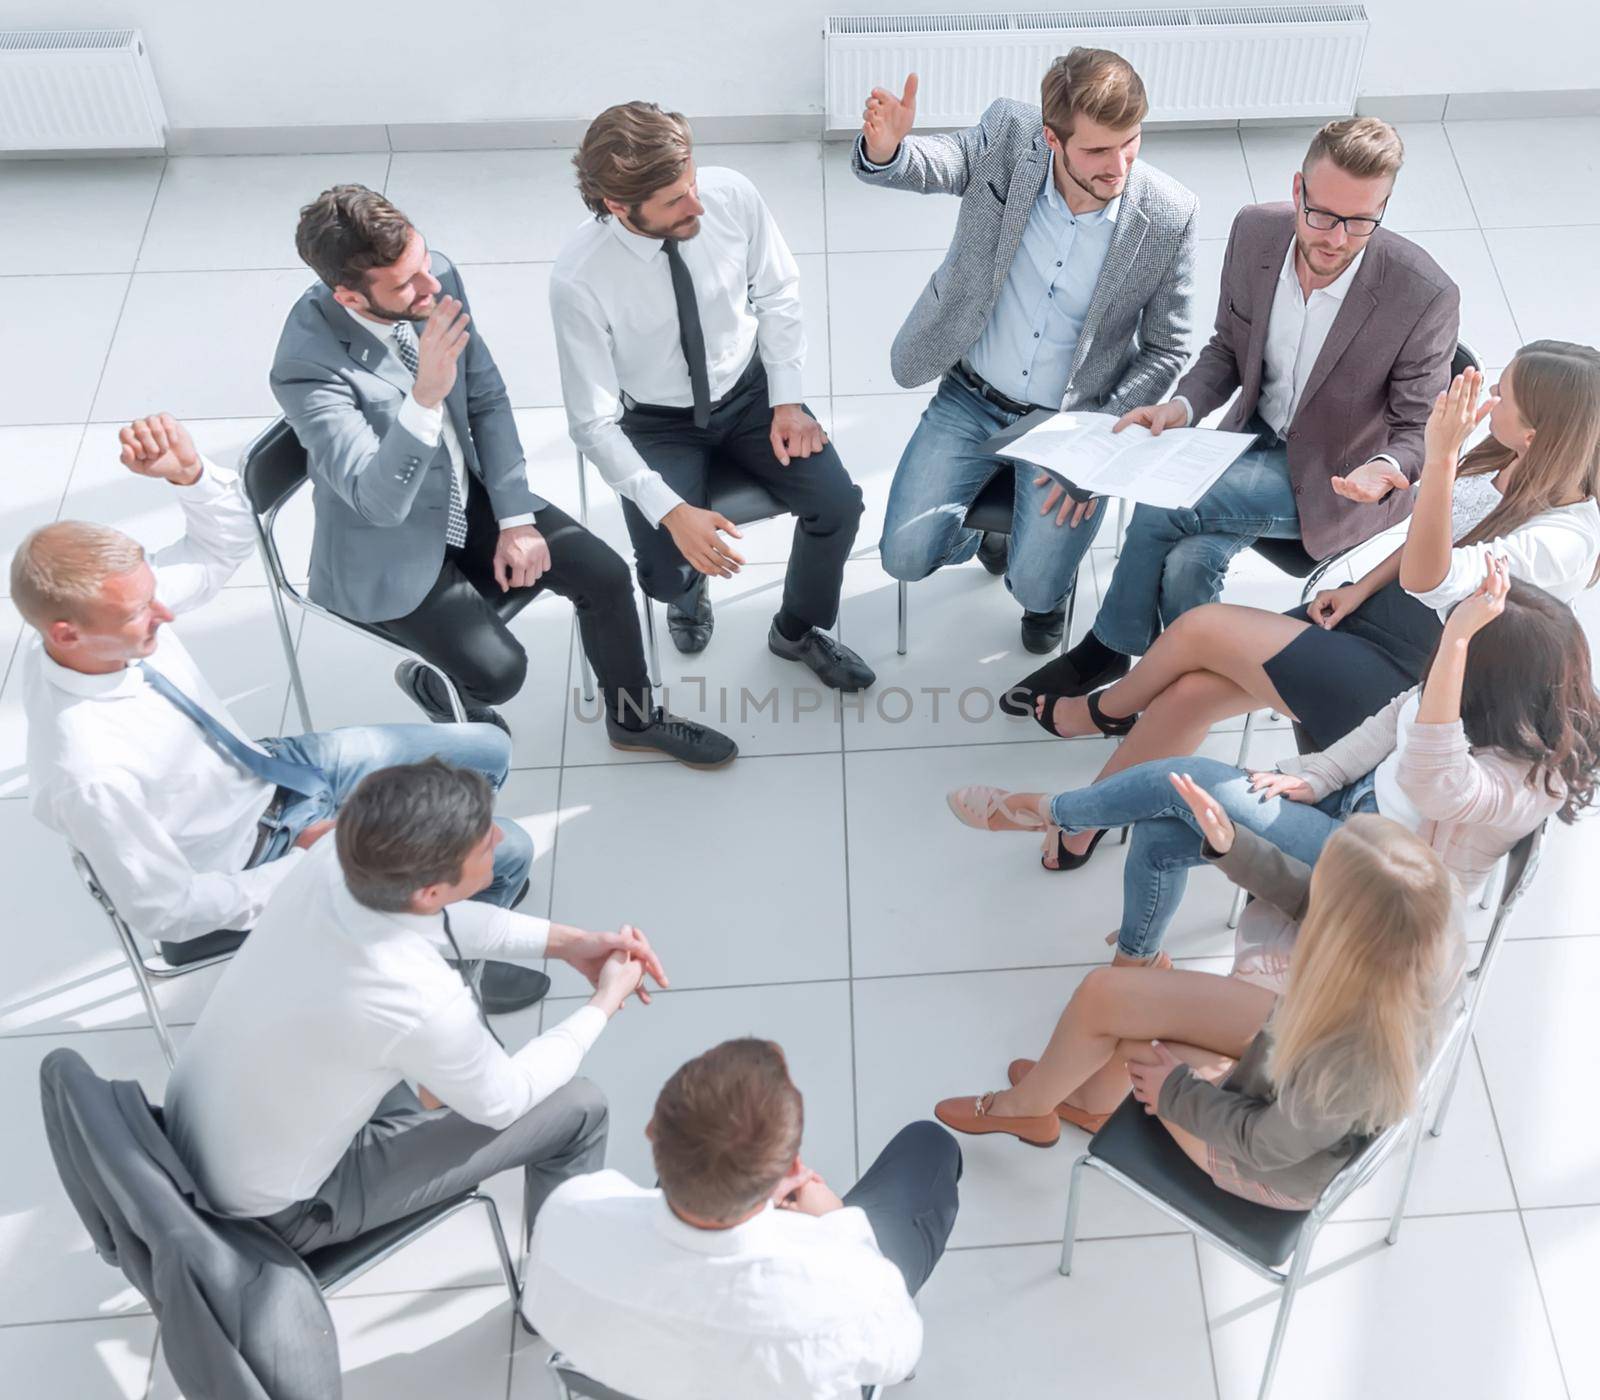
x: 1475, y: 806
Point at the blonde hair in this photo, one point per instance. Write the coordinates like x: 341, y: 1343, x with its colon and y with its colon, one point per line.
x: 1093, y: 83
x: 629, y: 152
x: 58, y: 569
x: 1376, y: 950
x: 1364, y: 147
x: 1557, y: 385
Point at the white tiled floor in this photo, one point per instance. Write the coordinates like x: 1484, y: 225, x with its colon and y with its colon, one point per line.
x: 817, y: 892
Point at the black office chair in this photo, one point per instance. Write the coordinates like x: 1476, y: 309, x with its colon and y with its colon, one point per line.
x: 274, y: 467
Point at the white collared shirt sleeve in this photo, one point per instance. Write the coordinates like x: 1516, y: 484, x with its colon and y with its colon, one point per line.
x: 484, y: 930
x: 1555, y: 551
x: 453, y: 1055
x: 593, y: 400
x: 890, y: 1333
x: 774, y: 279
x: 149, y: 879
x: 219, y: 535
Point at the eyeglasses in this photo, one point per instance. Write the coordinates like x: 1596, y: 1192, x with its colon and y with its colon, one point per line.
x: 1324, y: 221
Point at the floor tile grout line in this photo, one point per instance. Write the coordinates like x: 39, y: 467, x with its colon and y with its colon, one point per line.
x: 1522, y: 1224
x: 1483, y: 237
x: 1205, y: 1316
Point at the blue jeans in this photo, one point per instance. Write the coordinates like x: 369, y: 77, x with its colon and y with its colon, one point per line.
x: 941, y: 473
x: 1174, y: 560
x: 346, y: 756
x: 1167, y: 842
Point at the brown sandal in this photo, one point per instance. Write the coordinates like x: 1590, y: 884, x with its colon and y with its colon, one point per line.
x: 971, y: 1115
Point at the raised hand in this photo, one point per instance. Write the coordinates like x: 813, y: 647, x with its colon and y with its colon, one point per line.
x: 1471, y: 615
x: 1456, y: 412
x: 887, y: 120
x: 444, y: 336
x: 1215, y: 824
x: 160, y: 447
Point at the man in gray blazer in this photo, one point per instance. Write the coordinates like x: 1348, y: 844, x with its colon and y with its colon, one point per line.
x: 424, y: 518
x: 1066, y: 286
x: 1337, y: 335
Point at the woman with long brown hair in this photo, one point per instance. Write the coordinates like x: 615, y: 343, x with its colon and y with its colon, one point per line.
x: 1310, y: 1076
x: 1525, y: 495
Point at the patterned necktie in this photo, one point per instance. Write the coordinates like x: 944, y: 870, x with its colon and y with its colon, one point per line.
x: 455, y: 525
x: 281, y: 772
x: 690, y: 335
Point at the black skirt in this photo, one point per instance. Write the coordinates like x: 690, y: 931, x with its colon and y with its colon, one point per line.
x: 1332, y: 680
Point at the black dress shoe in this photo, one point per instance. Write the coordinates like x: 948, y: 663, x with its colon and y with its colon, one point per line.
x: 1041, y: 632
x: 689, y: 619
x: 994, y: 550
x: 507, y: 987
x: 422, y: 687
x: 693, y: 745
x: 836, y: 666
x: 1059, y: 676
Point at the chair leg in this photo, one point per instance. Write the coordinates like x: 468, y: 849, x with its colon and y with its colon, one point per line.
x: 296, y: 682
x: 1069, y: 1232
x: 1236, y: 909
x: 1072, y: 607
x: 583, y: 494
x: 901, y: 600
x: 1291, y: 1286
x: 457, y: 709
x: 1405, y: 1181
x: 1462, y: 1051
x: 148, y: 994
x: 587, y: 672
x: 513, y: 1283
x: 1486, y: 898
x: 1244, y: 739
x: 652, y: 651
x: 1122, y: 525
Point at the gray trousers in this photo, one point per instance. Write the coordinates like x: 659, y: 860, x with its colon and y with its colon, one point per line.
x: 910, y: 1198
x: 408, y: 1157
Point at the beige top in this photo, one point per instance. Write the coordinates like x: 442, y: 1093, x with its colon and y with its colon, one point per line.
x: 1475, y: 805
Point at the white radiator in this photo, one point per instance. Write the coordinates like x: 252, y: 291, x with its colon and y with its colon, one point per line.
x: 1220, y: 64
x: 78, y: 90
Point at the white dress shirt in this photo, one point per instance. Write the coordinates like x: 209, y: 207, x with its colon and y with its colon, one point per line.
x: 785, y: 1306
x: 617, y: 324
x: 426, y: 424
x: 166, y: 820
x: 1297, y: 329
x: 1556, y: 550
x: 328, y: 1006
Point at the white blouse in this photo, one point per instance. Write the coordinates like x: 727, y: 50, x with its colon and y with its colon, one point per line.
x: 1556, y: 550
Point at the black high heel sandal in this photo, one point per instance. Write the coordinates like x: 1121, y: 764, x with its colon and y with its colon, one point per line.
x: 1109, y: 725
x: 1068, y: 860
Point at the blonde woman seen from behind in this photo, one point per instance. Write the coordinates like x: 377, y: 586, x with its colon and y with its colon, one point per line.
x: 1270, y: 1096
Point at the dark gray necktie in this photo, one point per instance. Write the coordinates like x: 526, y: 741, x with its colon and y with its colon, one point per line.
x: 455, y: 524
x: 690, y: 336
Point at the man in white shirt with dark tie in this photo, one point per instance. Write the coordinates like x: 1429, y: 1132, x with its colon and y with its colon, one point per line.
x: 342, y: 1076
x: 743, y: 1266
x: 133, y: 757
x: 679, y: 336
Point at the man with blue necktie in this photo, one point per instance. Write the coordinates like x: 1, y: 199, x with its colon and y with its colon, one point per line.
x: 133, y: 757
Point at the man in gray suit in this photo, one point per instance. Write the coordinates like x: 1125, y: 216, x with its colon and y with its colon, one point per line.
x: 424, y: 519
x: 1066, y: 286
x: 1337, y: 335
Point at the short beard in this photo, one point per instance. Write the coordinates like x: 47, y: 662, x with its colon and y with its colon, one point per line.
x: 1300, y: 248
x: 636, y: 218
x: 1087, y: 186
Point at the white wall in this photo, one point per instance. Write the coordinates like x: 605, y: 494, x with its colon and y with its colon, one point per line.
x: 297, y: 62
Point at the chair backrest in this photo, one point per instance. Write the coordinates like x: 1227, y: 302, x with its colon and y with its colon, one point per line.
x: 274, y: 467
x: 1465, y: 358
x: 1522, y: 864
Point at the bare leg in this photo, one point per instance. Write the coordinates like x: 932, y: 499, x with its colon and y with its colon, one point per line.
x: 1112, y: 1004
x: 1231, y: 641
x: 1109, y: 1085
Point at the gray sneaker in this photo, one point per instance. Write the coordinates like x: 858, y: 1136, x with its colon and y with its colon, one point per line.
x: 693, y: 745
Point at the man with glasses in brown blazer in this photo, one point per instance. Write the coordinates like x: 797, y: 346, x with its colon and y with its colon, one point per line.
x: 1337, y: 335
